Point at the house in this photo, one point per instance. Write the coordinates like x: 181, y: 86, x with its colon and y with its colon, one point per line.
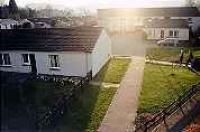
x: 25, y: 23
x: 125, y: 20
x: 51, y: 51
x: 8, y: 23
x: 160, y: 29
x: 42, y: 22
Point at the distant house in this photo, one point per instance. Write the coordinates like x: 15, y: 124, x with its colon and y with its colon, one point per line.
x: 25, y: 23
x: 42, y: 22
x: 125, y: 20
x: 67, y: 52
x: 8, y: 23
x: 169, y: 28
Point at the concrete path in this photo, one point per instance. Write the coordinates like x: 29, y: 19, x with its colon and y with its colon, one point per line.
x: 164, y: 63
x: 122, y: 110
x: 104, y: 84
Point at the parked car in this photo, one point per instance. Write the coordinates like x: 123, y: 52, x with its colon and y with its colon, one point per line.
x: 168, y: 42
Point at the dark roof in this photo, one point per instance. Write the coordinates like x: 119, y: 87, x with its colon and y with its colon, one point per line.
x: 151, y: 12
x: 167, y: 23
x: 80, y: 39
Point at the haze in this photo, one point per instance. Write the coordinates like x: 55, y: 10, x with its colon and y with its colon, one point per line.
x: 103, y: 3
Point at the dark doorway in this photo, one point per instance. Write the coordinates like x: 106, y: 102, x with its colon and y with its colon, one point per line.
x: 33, y: 64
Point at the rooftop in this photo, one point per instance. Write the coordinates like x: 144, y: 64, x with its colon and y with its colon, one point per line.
x: 169, y: 23
x: 81, y: 39
x: 150, y: 12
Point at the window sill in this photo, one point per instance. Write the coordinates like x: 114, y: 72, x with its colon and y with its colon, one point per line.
x: 54, y: 68
x: 5, y: 65
x: 26, y: 64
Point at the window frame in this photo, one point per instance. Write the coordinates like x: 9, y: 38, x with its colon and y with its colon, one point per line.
x: 6, y: 63
x: 171, y: 35
x: 176, y: 33
x: 28, y: 62
x: 1, y: 59
x: 54, y: 62
x: 162, y: 33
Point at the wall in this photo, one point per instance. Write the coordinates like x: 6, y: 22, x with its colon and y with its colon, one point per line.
x: 101, y: 53
x: 16, y: 62
x: 154, y: 33
x: 71, y: 63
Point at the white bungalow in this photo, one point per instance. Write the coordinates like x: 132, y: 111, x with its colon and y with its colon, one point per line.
x: 67, y: 52
x: 167, y: 28
x: 8, y: 23
x: 125, y: 20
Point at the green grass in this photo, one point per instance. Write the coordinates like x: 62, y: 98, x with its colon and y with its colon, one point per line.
x: 43, y: 94
x: 88, y: 111
x: 113, y: 71
x: 162, y: 85
x: 170, y: 54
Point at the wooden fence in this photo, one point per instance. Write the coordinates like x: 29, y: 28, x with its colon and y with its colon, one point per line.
x: 162, y: 115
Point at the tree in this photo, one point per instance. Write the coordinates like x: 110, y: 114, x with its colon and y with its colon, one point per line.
x: 12, y: 7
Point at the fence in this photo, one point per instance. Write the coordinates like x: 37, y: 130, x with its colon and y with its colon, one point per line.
x: 161, y: 116
x: 57, y: 110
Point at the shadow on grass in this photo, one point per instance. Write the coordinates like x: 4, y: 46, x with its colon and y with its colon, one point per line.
x: 78, y: 115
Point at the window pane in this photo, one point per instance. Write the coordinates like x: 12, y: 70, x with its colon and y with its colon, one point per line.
x: 176, y: 33
x: 25, y: 58
x: 1, y: 59
x: 171, y: 33
x: 162, y: 34
x: 7, y: 59
x: 54, y: 61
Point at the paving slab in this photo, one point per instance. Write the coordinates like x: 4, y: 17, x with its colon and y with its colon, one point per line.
x: 122, y: 110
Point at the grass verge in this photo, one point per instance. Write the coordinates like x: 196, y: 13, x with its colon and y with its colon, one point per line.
x: 113, y: 71
x: 170, y: 54
x: 88, y: 111
x: 162, y: 85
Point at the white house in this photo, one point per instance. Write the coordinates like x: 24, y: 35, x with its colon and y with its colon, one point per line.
x: 67, y: 52
x: 125, y: 20
x: 167, y: 28
x: 8, y: 23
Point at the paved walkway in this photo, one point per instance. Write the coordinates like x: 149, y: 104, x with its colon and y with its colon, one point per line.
x: 122, y: 110
x: 164, y: 63
x: 104, y: 84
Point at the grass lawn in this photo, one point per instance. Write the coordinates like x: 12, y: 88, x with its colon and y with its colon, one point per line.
x: 88, y: 111
x: 162, y: 85
x: 170, y: 54
x: 43, y: 94
x: 113, y: 71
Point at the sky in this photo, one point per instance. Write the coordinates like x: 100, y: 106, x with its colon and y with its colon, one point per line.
x: 103, y: 3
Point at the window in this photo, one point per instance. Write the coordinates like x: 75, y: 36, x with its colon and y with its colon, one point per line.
x: 5, y: 59
x: 176, y: 33
x: 162, y: 33
x: 54, y: 61
x: 26, y: 58
x: 1, y: 59
x: 170, y: 33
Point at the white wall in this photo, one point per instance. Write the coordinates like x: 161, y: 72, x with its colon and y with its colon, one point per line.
x: 16, y: 62
x: 101, y: 53
x: 154, y: 33
x: 2, y: 26
x: 71, y: 63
